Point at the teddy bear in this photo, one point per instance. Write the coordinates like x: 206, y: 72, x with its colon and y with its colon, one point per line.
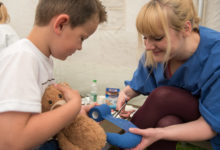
x: 82, y: 134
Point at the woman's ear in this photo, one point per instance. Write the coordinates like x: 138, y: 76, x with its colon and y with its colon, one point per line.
x: 60, y: 22
x: 187, y: 28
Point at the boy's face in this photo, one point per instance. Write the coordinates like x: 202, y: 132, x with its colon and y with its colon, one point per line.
x: 71, y: 39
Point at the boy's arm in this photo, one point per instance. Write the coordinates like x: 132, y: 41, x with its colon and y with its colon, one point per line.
x: 21, y: 131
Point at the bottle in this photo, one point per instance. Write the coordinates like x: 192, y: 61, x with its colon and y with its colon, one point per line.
x: 93, y: 92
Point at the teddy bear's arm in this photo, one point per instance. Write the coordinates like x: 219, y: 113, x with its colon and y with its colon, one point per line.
x: 65, y: 144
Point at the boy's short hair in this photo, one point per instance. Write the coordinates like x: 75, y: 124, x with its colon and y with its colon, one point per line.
x: 79, y: 11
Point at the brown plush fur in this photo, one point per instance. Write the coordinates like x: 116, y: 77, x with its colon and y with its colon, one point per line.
x: 82, y: 134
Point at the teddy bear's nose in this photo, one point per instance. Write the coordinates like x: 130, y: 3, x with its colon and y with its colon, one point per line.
x: 57, y: 104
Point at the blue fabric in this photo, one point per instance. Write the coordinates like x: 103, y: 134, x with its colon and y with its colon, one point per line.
x: 200, y: 75
x: 121, y: 123
x: 49, y: 145
x: 126, y: 140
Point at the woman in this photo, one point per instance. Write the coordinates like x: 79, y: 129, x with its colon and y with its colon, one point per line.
x: 180, y: 71
x: 7, y: 33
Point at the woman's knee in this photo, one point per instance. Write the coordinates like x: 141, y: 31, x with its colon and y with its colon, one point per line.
x: 166, y: 94
x: 168, y: 120
x: 161, y: 93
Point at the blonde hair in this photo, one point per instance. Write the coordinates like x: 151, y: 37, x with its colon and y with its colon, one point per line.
x: 79, y: 11
x: 155, y: 18
x: 4, y: 16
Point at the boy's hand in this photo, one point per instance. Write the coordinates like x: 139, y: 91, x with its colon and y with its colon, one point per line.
x: 68, y: 93
x: 86, y: 108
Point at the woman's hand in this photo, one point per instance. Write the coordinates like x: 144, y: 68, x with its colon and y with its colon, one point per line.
x: 126, y: 114
x: 122, y: 98
x: 149, y: 136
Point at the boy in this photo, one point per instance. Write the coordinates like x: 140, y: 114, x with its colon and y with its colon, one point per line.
x: 27, y: 69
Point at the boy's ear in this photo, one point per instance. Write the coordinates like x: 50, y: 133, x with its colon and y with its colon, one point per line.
x: 59, y: 23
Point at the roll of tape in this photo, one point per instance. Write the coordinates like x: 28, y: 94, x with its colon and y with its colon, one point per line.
x: 100, y: 112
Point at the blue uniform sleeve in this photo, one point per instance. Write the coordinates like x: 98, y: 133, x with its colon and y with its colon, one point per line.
x: 210, y: 89
x: 209, y: 106
x: 210, y: 101
x: 142, y: 81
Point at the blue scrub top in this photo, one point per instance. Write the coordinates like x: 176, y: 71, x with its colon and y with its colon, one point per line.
x: 200, y: 75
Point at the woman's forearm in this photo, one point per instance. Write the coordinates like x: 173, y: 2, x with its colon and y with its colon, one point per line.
x: 198, y: 130
x: 130, y: 92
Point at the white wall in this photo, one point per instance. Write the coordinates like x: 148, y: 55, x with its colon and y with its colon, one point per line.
x: 21, y: 14
x: 110, y: 55
x: 211, y: 15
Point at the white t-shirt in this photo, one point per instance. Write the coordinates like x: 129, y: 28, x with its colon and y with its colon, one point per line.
x: 25, y: 72
x: 7, y: 36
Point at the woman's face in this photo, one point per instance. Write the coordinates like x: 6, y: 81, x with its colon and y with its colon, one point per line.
x: 158, y: 45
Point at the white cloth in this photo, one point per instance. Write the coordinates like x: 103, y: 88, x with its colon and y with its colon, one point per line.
x: 7, y: 36
x: 25, y: 72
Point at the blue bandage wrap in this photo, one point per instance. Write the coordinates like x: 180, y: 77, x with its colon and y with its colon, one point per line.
x: 126, y: 140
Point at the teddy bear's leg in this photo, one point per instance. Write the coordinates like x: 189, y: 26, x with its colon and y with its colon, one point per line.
x: 65, y: 144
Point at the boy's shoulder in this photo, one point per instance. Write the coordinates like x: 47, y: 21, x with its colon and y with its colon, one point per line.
x: 18, y: 46
x: 21, y: 48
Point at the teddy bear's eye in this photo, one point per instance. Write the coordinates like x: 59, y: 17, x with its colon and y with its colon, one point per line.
x: 50, y: 102
x: 60, y: 96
